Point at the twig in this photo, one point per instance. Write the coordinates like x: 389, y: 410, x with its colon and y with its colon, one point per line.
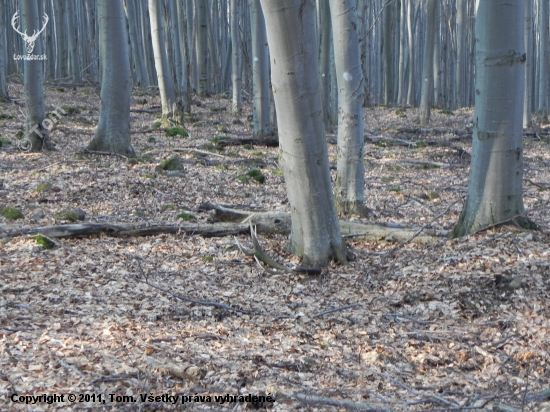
x: 86, y: 151
x: 403, y: 243
x: 326, y: 312
x: 322, y: 400
x: 185, y: 298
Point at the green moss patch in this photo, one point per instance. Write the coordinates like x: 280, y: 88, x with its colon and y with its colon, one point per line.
x: 12, y: 213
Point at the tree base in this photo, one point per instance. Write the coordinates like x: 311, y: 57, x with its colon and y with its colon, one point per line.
x: 462, y: 229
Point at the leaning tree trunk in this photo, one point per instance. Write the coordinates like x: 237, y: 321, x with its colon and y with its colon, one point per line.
x: 172, y: 110
x: 427, y: 63
x: 292, y: 40
x: 350, y: 181
x: 37, y: 133
x: 113, y: 130
x: 496, y: 171
x: 260, y: 73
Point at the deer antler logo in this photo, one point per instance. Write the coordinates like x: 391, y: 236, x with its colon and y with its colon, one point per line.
x: 29, y: 40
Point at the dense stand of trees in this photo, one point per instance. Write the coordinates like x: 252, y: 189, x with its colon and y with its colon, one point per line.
x: 328, y: 59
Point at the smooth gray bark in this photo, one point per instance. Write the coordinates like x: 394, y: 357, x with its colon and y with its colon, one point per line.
x: 236, y: 57
x: 37, y: 133
x: 72, y: 41
x: 142, y: 78
x: 543, y: 60
x: 260, y: 72
x: 427, y: 64
x: 325, y: 34
x: 350, y: 181
x: 4, y: 97
x: 292, y: 40
x: 528, y: 42
x: 201, y: 7
x: 171, y: 109
x: 496, y: 171
x: 113, y: 130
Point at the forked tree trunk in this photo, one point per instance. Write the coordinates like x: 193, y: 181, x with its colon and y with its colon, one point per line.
x: 37, y: 133
x: 350, y: 181
x: 113, y: 130
x: 292, y: 40
x: 496, y: 171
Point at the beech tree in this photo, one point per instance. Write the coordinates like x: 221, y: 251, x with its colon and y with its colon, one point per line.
x: 292, y: 41
x: 4, y: 97
x: 37, y: 134
x: 427, y: 64
x: 113, y: 130
x: 172, y: 109
x: 260, y: 73
x: 496, y: 171
x: 350, y: 181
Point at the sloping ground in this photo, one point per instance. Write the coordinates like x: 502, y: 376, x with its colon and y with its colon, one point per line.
x: 450, y: 325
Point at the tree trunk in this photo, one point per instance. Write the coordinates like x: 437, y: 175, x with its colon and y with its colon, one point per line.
x: 171, y: 108
x: 543, y: 61
x: 304, y: 157
x: 427, y: 64
x: 37, y: 133
x: 201, y: 7
x: 260, y: 72
x: 350, y: 181
x: 4, y: 97
x: 496, y: 171
x: 236, y: 57
x: 528, y: 42
x: 324, y: 59
x: 113, y: 130
x: 137, y: 53
x: 72, y: 41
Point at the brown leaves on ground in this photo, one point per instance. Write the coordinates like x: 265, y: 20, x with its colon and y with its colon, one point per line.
x: 440, y: 327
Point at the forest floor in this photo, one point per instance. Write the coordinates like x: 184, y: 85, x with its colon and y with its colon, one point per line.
x: 457, y: 324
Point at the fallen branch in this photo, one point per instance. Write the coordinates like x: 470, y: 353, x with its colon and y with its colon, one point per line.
x: 268, y: 142
x: 261, y: 256
x: 326, y: 312
x: 323, y: 400
x: 185, y: 298
x: 235, y: 222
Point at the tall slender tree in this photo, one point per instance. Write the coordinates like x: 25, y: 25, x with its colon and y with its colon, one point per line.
x: 260, y: 72
x: 172, y: 109
x: 292, y: 40
x: 236, y: 57
x: 113, y: 130
x: 37, y: 134
x: 4, y: 97
x: 350, y: 182
x: 427, y: 63
x: 496, y: 171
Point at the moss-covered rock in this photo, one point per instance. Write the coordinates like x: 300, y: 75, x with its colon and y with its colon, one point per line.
x: 173, y: 163
x: 256, y: 175
x: 12, y: 213
x: 69, y: 215
x: 176, y: 131
x: 44, y: 241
